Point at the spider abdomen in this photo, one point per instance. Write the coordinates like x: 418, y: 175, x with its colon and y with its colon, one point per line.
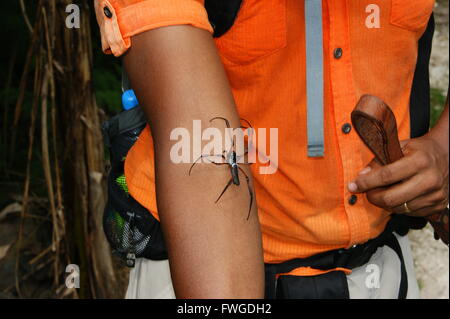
x: 235, y: 174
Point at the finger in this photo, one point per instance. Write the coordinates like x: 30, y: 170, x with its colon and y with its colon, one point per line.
x: 428, y: 211
x: 385, y: 175
x: 373, y: 164
x: 404, y: 145
x: 398, y: 194
x: 374, y: 195
x: 428, y: 200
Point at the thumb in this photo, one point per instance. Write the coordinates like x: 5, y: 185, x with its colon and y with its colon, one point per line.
x: 372, y: 165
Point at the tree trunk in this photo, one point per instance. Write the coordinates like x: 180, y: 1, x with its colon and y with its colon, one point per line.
x: 78, y: 172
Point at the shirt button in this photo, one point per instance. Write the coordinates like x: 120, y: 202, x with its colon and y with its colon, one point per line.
x: 346, y: 128
x: 107, y: 12
x: 352, y: 199
x: 338, y: 53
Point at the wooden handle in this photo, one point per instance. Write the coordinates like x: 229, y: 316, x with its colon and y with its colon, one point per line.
x: 375, y: 123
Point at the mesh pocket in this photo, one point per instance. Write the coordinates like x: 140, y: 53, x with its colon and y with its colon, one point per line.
x: 131, y: 230
x: 123, y: 233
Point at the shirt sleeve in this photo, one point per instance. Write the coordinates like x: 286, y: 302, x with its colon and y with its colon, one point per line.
x: 119, y: 20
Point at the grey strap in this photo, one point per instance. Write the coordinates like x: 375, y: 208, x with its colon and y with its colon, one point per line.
x: 314, y: 77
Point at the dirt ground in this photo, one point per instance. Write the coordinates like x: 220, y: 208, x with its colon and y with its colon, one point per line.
x: 431, y: 258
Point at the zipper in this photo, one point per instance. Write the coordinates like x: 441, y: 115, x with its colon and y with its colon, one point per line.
x: 131, y: 256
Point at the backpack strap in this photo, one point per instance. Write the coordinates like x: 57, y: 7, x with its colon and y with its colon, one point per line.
x: 419, y: 108
x: 222, y: 14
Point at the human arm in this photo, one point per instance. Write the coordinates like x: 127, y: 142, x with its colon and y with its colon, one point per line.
x: 214, y: 251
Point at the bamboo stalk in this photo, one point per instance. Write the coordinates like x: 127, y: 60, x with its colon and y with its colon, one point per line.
x: 37, y: 82
x: 25, y: 17
x: 23, y: 85
x: 11, y: 65
x: 45, y: 148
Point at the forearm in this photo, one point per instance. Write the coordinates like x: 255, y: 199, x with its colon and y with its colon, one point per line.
x: 214, y: 252
x: 440, y: 132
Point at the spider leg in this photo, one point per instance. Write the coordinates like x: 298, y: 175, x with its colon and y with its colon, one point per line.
x: 227, y: 124
x: 249, y: 127
x: 220, y: 118
x: 246, y: 161
x: 195, y: 162
x: 246, y: 122
x: 226, y: 187
x: 243, y: 156
x: 249, y: 191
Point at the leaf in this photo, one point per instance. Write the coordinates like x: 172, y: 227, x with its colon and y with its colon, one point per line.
x: 11, y: 208
x: 4, y: 250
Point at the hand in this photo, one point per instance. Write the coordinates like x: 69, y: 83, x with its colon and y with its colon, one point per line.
x: 419, y: 179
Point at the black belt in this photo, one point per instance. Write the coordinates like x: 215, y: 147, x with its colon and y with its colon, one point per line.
x: 351, y: 258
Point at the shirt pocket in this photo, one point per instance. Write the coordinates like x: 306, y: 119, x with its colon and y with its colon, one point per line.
x: 259, y: 30
x: 411, y: 15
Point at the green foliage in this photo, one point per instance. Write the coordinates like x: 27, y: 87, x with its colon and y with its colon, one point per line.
x: 107, y: 80
x: 437, y: 104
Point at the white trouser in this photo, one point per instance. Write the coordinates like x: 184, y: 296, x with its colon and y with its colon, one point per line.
x: 378, y: 279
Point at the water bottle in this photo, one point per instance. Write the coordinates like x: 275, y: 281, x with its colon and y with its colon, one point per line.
x: 122, y: 131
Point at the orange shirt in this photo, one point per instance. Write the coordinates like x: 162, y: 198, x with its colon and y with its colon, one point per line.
x: 304, y: 207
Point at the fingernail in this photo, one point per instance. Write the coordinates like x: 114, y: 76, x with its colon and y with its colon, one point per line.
x: 365, y: 170
x: 352, y: 187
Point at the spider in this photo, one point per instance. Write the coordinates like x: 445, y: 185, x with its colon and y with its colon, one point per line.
x: 230, y: 158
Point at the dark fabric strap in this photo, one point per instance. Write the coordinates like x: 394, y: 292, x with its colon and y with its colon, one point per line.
x: 222, y: 14
x: 394, y: 245
x: 124, y: 121
x: 342, y: 258
x: 419, y: 106
x: 331, y: 285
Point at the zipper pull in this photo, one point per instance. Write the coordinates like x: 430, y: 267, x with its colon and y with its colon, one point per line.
x: 131, y: 260
x: 131, y: 256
